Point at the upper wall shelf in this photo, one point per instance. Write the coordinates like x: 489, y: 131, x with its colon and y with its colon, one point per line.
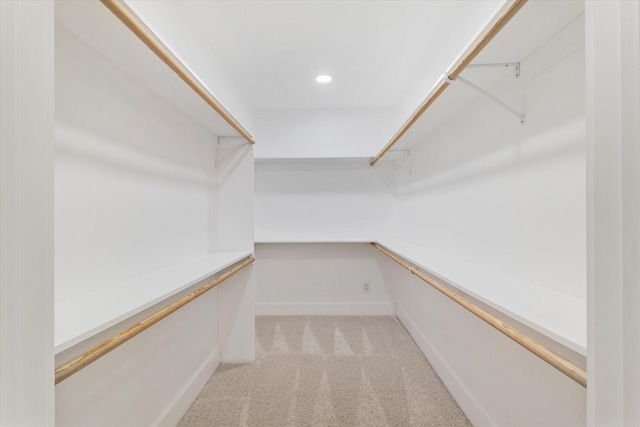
x: 501, y: 19
x: 134, y: 48
x: 497, y: 43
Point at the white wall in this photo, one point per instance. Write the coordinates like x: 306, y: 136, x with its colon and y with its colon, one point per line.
x: 134, y: 179
x: 26, y: 209
x: 484, y: 190
x: 235, y: 176
x: 319, y: 279
x: 236, y: 317
x: 316, y: 133
x: 139, y: 187
x: 495, y: 381
x: 322, y: 200
x: 236, y: 306
x: 124, y: 388
x: 149, y: 380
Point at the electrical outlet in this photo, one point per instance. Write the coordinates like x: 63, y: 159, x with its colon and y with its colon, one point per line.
x: 366, y: 287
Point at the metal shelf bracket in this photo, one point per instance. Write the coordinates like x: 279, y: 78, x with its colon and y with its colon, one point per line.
x: 398, y: 157
x: 515, y: 65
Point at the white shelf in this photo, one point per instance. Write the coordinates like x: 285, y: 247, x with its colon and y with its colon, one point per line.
x: 312, y: 163
x: 558, y: 316
x: 511, y: 44
x: 95, y: 26
x: 79, y: 318
x: 330, y: 235
x: 311, y: 239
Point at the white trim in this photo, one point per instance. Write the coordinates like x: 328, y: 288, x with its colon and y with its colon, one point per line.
x: 326, y: 309
x: 613, y: 207
x: 465, y: 399
x: 26, y: 213
x: 174, y: 412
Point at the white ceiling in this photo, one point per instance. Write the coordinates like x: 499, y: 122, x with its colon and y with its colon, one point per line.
x: 375, y: 50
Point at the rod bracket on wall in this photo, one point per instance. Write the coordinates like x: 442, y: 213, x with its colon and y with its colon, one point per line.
x: 397, y: 157
x: 510, y: 109
x: 514, y: 65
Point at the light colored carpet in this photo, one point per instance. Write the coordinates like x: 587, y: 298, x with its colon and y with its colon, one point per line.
x: 328, y: 371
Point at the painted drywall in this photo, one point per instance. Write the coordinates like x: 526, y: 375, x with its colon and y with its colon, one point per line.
x: 236, y: 317
x: 319, y: 279
x: 235, y: 178
x: 323, y: 200
x: 26, y: 211
x: 139, y: 187
x: 124, y: 388
x: 495, y: 381
x: 151, y: 379
x: 318, y: 133
x: 484, y: 190
x: 135, y: 181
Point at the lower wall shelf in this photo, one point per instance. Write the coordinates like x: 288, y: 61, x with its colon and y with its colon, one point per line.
x: 79, y: 318
x: 560, y: 317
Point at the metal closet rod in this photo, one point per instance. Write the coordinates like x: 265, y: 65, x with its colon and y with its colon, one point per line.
x: 574, y: 372
x: 135, y: 24
x: 66, y: 370
x: 490, y: 31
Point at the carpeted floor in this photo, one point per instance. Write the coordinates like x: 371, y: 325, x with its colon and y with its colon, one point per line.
x: 328, y: 371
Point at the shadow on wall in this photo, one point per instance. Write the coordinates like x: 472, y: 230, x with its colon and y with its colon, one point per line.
x: 103, y: 112
x: 318, y: 251
x: 485, y: 140
x: 566, y: 141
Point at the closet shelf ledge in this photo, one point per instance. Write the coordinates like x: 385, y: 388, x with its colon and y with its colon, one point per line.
x: 86, y: 315
x: 557, y: 316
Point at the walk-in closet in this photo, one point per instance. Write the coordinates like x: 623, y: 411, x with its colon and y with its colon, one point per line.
x: 345, y: 213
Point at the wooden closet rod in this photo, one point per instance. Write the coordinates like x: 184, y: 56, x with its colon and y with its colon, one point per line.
x: 66, y: 370
x: 494, y: 27
x: 135, y: 24
x: 574, y: 372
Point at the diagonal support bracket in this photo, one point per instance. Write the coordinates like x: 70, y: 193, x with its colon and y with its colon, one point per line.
x: 510, y: 109
x: 402, y: 156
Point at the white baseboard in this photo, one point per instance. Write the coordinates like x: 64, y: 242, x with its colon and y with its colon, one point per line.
x: 467, y: 402
x: 185, y: 397
x: 326, y: 309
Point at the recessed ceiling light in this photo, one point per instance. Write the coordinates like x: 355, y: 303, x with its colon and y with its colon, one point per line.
x: 323, y: 78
